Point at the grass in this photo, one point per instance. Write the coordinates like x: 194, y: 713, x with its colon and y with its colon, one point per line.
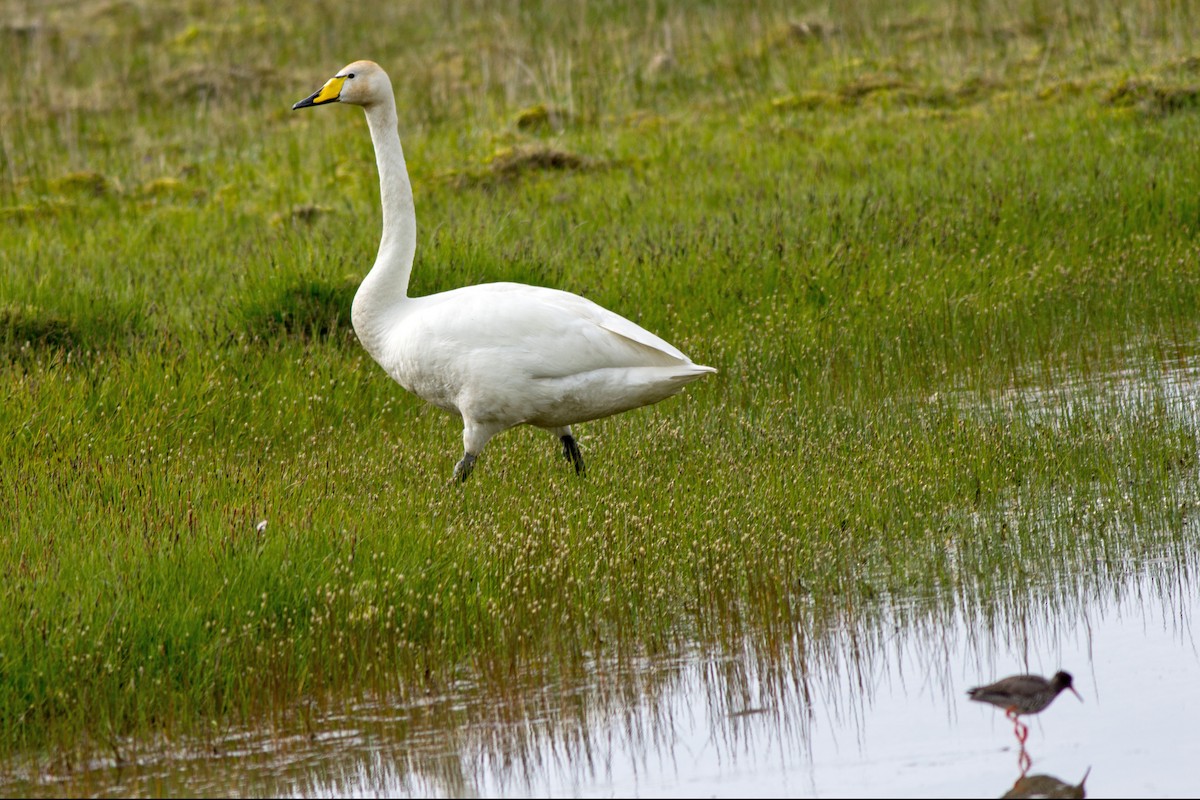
x: 869, y: 217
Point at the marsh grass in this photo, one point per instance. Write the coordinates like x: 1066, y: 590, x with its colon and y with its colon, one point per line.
x: 866, y: 219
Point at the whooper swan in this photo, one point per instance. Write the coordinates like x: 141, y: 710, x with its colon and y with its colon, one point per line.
x: 496, y: 354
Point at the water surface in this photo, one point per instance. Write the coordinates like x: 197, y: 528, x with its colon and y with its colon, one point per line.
x: 891, y: 720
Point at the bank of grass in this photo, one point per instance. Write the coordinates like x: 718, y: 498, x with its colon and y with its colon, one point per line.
x: 868, y: 218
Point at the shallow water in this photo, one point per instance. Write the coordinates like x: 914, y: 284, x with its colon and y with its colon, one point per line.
x: 1172, y: 383
x: 890, y: 721
x: 869, y: 704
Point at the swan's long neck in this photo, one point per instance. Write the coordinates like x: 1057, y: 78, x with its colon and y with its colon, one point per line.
x: 386, y: 285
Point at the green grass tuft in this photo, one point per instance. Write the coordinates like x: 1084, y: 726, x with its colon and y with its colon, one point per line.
x: 311, y: 311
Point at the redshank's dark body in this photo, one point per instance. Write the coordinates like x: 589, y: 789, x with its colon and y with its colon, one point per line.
x: 1023, y: 694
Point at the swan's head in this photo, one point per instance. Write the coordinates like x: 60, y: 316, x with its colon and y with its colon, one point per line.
x: 362, y: 83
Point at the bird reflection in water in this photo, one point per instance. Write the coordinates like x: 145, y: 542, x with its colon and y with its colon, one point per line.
x: 1047, y: 786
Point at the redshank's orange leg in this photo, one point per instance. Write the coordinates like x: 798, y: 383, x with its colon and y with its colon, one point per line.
x: 1019, y: 728
x: 1024, y: 761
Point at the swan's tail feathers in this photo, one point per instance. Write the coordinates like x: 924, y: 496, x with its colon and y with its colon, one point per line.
x: 675, y: 378
x: 602, y: 392
x: 696, y: 371
x: 663, y: 381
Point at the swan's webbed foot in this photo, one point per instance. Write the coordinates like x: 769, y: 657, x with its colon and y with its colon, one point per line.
x: 572, y: 454
x: 462, y: 470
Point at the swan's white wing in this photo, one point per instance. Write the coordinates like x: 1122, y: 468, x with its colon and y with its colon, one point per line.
x: 553, y: 333
x: 614, y: 323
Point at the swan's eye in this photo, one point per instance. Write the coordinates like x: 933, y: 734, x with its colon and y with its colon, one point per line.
x: 351, y: 75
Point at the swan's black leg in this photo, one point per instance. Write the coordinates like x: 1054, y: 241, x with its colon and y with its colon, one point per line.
x: 462, y: 470
x: 572, y: 454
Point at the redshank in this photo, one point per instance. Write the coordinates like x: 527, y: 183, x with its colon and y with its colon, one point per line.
x: 1023, y: 694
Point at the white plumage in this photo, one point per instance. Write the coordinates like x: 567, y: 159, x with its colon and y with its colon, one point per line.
x: 496, y: 354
